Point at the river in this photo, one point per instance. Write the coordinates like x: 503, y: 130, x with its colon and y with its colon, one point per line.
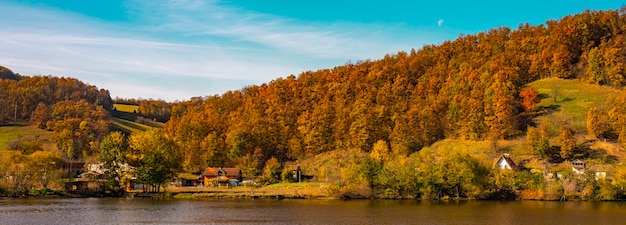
x: 266, y: 211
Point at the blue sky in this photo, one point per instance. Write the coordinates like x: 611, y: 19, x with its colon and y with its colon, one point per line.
x: 175, y: 50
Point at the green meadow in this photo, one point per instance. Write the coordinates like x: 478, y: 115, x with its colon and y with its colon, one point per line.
x: 569, y: 101
x: 15, y: 133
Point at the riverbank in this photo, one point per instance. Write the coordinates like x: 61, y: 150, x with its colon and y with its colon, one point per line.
x: 275, y: 191
x: 305, y: 190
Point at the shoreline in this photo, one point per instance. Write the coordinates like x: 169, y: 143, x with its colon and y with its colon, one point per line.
x: 261, y: 195
x: 305, y: 191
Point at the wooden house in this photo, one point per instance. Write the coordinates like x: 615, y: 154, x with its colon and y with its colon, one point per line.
x: 187, y: 179
x: 213, y: 176
x: 505, y: 162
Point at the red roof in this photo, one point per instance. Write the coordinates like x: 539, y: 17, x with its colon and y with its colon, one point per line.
x: 230, y: 173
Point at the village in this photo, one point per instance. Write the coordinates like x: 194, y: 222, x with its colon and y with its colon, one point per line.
x: 88, y: 179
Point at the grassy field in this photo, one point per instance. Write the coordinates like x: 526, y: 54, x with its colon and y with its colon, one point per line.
x: 127, y: 126
x: 280, y: 190
x: 561, y: 101
x: 124, y: 119
x: 14, y: 133
x: 483, y: 150
x: 126, y: 108
x: 569, y: 101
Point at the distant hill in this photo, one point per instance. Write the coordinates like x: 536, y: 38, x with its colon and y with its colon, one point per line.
x: 6, y: 73
x: 77, y: 113
x: 127, y: 120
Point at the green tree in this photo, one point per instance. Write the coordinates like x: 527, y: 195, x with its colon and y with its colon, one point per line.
x: 44, y: 167
x: 594, y: 70
x: 113, y: 150
x: 215, y: 147
x: 158, y: 157
x: 271, y: 172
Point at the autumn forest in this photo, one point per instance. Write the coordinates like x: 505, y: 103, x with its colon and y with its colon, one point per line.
x: 369, y: 128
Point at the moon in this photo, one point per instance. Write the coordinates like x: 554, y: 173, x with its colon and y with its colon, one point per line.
x: 440, y: 22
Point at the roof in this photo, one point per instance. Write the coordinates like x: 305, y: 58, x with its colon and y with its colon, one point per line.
x: 187, y: 176
x: 230, y: 172
x: 507, y: 159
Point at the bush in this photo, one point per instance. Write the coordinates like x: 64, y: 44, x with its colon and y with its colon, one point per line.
x: 41, y: 192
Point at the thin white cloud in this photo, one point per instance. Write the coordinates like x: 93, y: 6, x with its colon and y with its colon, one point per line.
x: 180, y: 49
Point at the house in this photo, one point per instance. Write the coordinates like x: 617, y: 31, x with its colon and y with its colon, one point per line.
x: 602, y: 172
x: 505, y: 162
x: 73, y: 168
x: 221, y: 176
x: 578, y: 166
x: 98, y: 169
x: 187, y: 179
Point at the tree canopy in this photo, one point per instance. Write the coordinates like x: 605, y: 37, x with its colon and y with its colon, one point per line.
x: 471, y: 88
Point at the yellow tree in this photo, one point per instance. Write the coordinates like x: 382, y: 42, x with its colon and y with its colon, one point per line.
x: 158, y: 157
x: 271, y: 171
x: 380, y: 152
x: 501, y: 106
x: 598, y: 122
x: 561, y: 62
x: 567, y: 141
x: 44, y: 167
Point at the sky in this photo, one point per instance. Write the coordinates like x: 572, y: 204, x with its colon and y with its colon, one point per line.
x: 178, y: 49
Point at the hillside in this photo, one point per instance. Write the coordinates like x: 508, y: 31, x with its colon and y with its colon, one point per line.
x: 10, y: 134
x: 456, y: 105
x: 465, y: 89
x: 569, y: 101
x: 425, y: 123
x: 127, y: 120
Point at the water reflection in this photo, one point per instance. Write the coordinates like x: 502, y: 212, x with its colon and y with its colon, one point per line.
x: 215, y: 211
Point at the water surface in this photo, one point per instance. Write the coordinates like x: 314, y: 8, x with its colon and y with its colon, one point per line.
x: 249, y: 211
